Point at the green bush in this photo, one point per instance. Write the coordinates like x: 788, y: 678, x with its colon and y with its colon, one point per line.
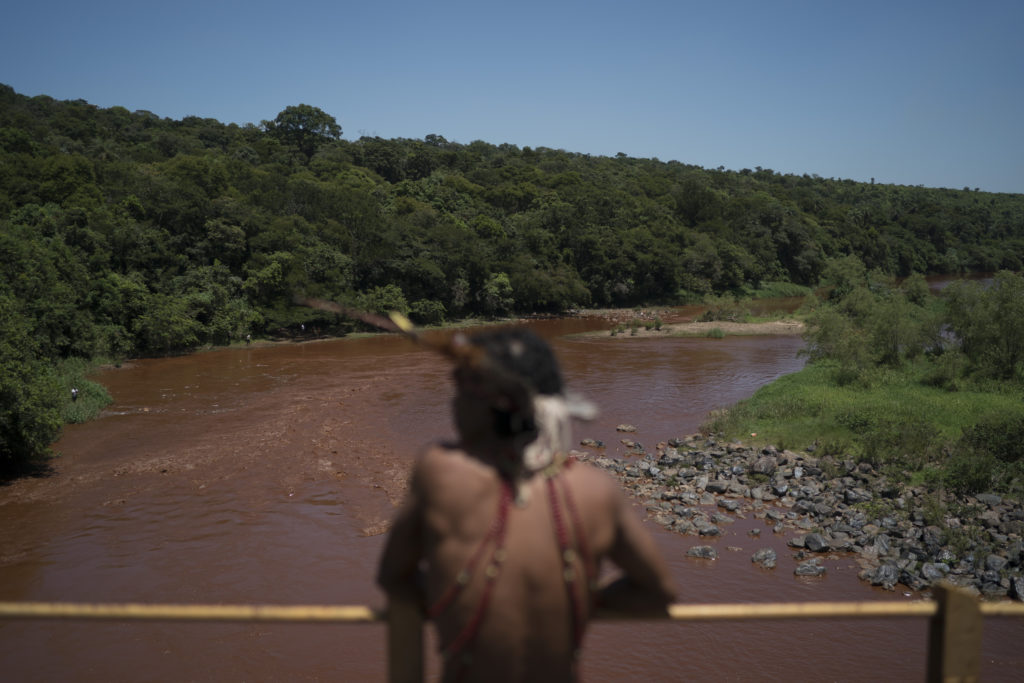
x: 427, y: 312
x: 968, y: 472
x: 724, y: 308
x: 1000, y: 435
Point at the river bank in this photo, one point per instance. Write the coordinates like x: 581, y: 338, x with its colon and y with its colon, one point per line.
x: 695, y: 486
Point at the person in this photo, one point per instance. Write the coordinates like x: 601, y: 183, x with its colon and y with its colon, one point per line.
x: 74, y: 393
x: 502, y: 534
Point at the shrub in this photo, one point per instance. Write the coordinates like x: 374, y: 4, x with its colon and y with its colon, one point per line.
x: 428, y: 312
x: 727, y: 308
x: 968, y: 472
x: 1001, y: 435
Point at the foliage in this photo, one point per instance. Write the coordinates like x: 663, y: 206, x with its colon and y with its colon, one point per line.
x: 988, y: 323
x: 923, y: 387
x: 124, y: 233
x: 29, y: 396
x: 724, y: 308
x: 303, y: 126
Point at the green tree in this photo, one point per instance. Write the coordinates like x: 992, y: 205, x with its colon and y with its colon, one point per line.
x: 496, y: 296
x: 29, y: 396
x: 989, y: 323
x: 305, y: 127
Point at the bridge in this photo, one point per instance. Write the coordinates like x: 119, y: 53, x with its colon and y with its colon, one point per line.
x: 954, y: 635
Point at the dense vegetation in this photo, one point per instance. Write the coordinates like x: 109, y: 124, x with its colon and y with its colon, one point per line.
x: 126, y: 234
x: 929, y: 389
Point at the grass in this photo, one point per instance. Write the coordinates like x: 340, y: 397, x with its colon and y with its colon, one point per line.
x: 92, y: 396
x: 887, y: 417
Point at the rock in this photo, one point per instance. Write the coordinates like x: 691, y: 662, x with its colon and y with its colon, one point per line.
x: 717, y: 486
x: 822, y: 509
x: 934, y: 571
x: 592, y: 443
x: 765, y: 465
x: 995, y: 562
x: 886, y: 576
x: 912, y: 581
x: 705, y: 552
x: 856, y: 495
x: 883, y: 543
x: 988, y: 499
x: 816, y: 543
x: 705, y: 528
x: 796, y: 542
x: 730, y: 504
x: 991, y: 519
x: 765, y: 557
x: 1017, y: 588
x: 684, y: 526
x: 625, y: 428
x: 809, y: 568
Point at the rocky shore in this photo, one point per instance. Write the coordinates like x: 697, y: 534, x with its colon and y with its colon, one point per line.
x: 826, y: 505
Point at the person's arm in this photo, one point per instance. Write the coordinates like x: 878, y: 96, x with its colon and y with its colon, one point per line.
x: 646, y: 585
x: 398, y: 571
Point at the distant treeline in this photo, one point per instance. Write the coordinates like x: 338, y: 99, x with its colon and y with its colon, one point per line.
x: 124, y: 233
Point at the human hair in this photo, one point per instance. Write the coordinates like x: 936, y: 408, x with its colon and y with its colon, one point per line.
x: 521, y: 353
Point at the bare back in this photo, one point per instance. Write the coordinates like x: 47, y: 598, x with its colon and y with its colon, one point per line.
x: 525, y: 631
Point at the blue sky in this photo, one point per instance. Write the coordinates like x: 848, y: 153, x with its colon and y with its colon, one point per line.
x: 914, y: 93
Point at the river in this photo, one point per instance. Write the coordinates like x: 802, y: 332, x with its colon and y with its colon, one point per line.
x: 267, y: 475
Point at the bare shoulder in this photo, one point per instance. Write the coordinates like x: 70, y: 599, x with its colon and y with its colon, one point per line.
x: 595, y: 481
x: 441, y: 466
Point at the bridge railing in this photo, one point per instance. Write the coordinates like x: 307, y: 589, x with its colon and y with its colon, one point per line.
x: 954, y: 636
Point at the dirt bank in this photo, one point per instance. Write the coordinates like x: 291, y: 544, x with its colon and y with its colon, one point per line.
x: 705, y: 329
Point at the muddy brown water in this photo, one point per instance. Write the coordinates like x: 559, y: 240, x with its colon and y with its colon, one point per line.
x: 266, y: 475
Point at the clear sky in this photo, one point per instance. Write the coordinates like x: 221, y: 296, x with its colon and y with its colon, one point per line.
x: 909, y: 92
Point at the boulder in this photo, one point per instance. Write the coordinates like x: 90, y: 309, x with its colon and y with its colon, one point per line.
x: 886, y: 576
x: 809, y: 568
x: 995, y: 562
x: 705, y: 552
x: 706, y: 528
x: 765, y: 465
x: 989, y: 499
x: 934, y: 571
x: 766, y: 557
x: 1017, y: 588
x: 856, y: 495
x: 730, y: 504
x: 816, y: 543
x: 883, y: 543
x: 716, y: 486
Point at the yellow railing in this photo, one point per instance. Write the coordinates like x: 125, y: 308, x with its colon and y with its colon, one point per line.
x: 954, y: 645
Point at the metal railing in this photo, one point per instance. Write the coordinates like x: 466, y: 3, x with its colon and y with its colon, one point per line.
x: 954, y: 636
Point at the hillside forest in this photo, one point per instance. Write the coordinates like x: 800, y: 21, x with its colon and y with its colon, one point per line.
x: 124, y: 234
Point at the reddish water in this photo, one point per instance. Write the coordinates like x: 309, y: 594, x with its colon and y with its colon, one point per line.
x: 264, y: 475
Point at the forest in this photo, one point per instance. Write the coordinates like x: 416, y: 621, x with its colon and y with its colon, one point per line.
x: 124, y: 234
